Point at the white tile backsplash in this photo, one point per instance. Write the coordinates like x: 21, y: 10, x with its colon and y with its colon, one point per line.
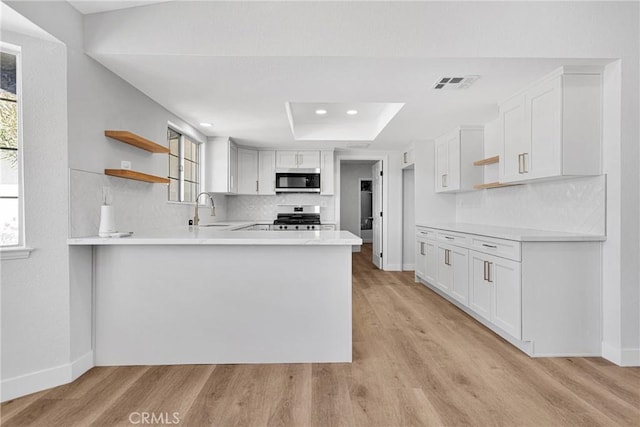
x: 137, y: 205
x: 572, y: 205
x: 264, y: 208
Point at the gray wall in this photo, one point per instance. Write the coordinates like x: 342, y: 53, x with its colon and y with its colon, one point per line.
x: 408, y: 219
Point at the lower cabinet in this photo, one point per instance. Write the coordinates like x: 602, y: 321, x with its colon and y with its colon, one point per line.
x: 425, y: 259
x: 453, y: 271
x: 495, y: 291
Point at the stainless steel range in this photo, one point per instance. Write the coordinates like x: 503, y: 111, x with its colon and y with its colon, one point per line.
x: 297, y: 217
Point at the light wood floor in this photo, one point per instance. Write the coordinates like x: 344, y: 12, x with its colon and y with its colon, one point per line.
x: 417, y: 361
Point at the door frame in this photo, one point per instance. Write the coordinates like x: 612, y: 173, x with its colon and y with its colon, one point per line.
x: 385, y: 191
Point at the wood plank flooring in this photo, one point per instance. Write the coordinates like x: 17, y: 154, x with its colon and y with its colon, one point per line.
x: 418, y: 361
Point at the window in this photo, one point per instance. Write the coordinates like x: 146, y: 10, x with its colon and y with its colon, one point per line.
x: 11, y: 234
x: 184, y: 167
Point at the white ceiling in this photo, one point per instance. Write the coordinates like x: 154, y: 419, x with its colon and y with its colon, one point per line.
x: 238, y: 64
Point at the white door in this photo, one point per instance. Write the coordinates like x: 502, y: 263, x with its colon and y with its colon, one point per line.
x: 267, y: 172
x: 480, y: 287
x: 309, y: 159
x: 442, y: 164
x: 506, y: 307
x: 376, y: 184
x: 444, y: 272
x: 247, y: 171
x: 543, y: 110
x: 460, y: 265
x: 513, y: 140
x: 286, y: 159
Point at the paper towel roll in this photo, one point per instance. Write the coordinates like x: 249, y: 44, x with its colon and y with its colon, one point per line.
x: 107, y: 221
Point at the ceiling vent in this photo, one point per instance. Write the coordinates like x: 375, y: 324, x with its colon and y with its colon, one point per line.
x: 449, y: 83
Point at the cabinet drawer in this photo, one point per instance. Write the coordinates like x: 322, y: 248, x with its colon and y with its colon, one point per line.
x: 425, y: 233
x: 498, y: 247
x: 452, y: 238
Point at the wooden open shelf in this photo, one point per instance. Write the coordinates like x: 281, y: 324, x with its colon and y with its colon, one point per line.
x: 135, y: 140
x: 493, y: 185
x: 487, y: 161
x: 138, y: 176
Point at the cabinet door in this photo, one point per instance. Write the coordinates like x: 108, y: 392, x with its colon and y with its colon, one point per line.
x: 421, y: 258
x: 309, y: 159
x: 479, y: 287
x: 444, y: 272
x: 442, y: 164
x: 543, y: 110
x: 266, y: 172
x: 233, y: 168
x: 430, y: 272
x: 452, y: 180
x: 506, y: 306
x: 459, y: 260
x: 247, y: 171
x: 513, y: 140
x: 326, y: 173
x: 327, y: 227
x: 286, y: 159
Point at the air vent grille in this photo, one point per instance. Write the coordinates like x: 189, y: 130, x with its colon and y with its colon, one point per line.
x: 450, y: 83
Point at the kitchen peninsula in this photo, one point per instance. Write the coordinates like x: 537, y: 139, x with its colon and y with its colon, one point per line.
x: 199, y: 295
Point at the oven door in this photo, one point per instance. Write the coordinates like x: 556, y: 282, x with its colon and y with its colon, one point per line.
x: 297, y: 182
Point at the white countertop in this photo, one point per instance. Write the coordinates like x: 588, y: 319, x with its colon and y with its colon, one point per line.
x: 224, y: 235
x: 517, y: 234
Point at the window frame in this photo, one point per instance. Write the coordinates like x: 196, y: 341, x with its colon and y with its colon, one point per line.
x: 19, y: 250
x: 181, y: 163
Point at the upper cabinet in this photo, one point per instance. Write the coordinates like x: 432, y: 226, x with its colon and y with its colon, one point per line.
x: 297, y: 159
x: 553, y: 128
x: 267, y: 172
x: 326, y: 173
x: 221, y: 171
x: 247, y: 171
x: 455, y: 153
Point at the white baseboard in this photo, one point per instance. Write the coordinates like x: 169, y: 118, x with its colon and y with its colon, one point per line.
x: 621, y: 356
x: 393, y: 267
x: 408, y: 267
x: 47, y: 378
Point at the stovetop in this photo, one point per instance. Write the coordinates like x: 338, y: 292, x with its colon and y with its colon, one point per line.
x: 294, y: 219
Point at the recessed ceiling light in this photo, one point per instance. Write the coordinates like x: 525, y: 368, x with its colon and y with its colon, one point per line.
x: 321, y: 112
x: 205, y: 125
x: 352, y: 112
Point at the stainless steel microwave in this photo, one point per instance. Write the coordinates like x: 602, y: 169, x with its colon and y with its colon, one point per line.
x: 298, y: 181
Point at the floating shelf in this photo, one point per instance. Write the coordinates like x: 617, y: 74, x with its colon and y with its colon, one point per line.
x: 138, y: 176
x: 493, y: 185
x: 135, y: 140
x: 487, y: 161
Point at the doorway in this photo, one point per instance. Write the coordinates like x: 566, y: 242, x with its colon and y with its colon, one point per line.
x: 366, y: 211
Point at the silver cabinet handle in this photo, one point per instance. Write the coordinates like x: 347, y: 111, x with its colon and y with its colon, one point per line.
x: 422, y: 248
x: 489, y: 264
x: 450, y: 238
x: 489, y: 246
x: 446, y: 178
x: 485, y: 270
x: 442, y: 181
x: 520, y: 163
x: 525, y: 169
x: 257, y: 186
x: 447, y: 257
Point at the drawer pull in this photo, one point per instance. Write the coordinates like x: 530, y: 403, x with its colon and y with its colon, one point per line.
x: 489, y: 246
x: 450, y: 238
x: 424, y: 232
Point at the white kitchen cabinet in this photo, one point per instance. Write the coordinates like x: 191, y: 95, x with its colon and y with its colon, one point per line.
x: 297, y: 159
x: 541, y: 293
x: 452, y: 271
x: 455, y: 153
x: 553, y: 129
x: 425, y: 264
x: 221, y: 166
x: 495, y: 291
x: 326, y: 173
x: 267, y: 172
x: 247, y: 171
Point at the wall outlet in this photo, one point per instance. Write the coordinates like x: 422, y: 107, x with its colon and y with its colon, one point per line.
x: 125, y: 164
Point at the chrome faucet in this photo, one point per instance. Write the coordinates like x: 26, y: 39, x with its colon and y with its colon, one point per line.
x: 196, y: 219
